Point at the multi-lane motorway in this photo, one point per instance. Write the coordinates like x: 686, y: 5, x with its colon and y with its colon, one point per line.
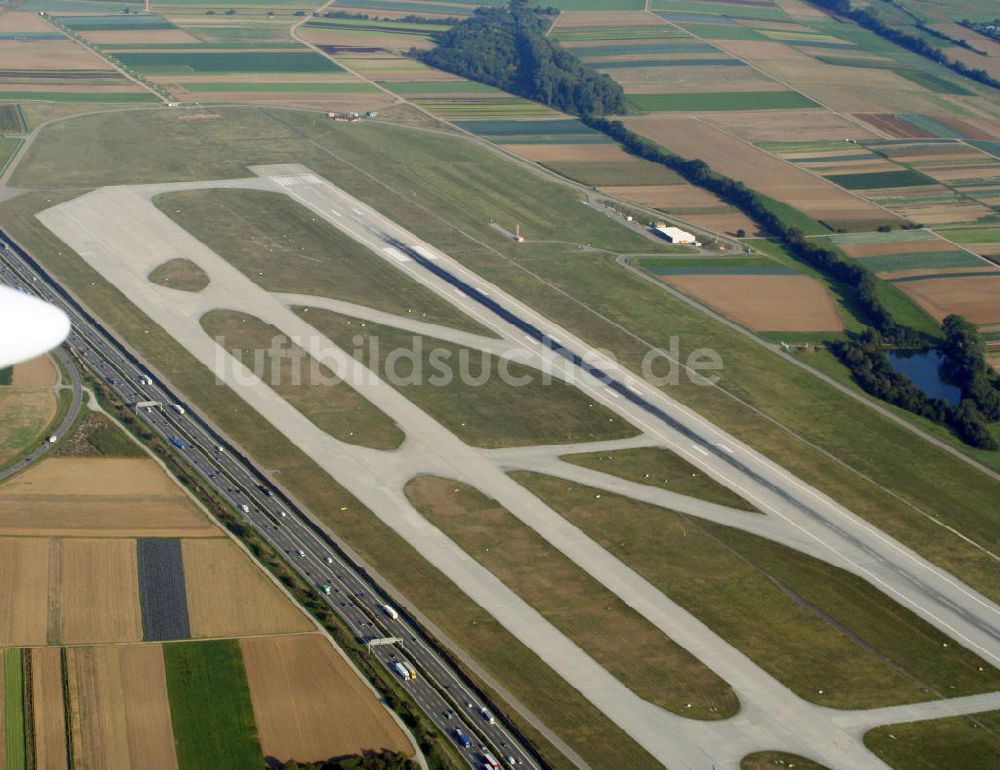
x: 440, y: 689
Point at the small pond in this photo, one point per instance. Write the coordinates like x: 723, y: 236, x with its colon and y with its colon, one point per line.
x: 924, y: 368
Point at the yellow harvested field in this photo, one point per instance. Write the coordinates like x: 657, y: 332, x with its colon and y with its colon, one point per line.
x: 945, y: 213
x: 100, y: 735
x: 148, y: 725
x: 139, y: 36
x: 228, y: 595
x: 609, y: 19
x: 24, y: 575
x: 596, y: 153
x: 25, y: 413
x: 765, y: 302
x: 98, y: 592
x: 325, y: 102
x: 24, y: 21
x: 48, y: 711
x: 310, y: 704
x: 37, y: 373
x: 50, y: 55
x: 651, y: 80
x: 723, y: 221
x: 112, y: 497
x: 779, y: 125
x: 976, y: 297
x: 800, y: 10
x: 758, y: 169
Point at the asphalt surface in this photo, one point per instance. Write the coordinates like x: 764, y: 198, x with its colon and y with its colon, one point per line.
x: 447, y: 698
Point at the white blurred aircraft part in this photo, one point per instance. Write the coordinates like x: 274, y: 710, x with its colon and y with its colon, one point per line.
x: 28, y: 327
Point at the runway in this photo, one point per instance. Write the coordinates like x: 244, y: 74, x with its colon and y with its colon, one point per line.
x: 123, y: 236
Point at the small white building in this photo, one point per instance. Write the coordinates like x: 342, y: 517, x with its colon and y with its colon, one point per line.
x: 675, y: 234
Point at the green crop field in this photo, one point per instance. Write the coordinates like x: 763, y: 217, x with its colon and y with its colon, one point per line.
x: 797, y: 617
x: 107, y: 97
x: 210, y: 706
x: 881, y: 179
x: 956, y: 743
x: 719, y: 101
x: 890, y: 262
x: 440, y: 87
x: 894, y: 236
x: 644, y: 32
x: 634, y: 49
x: 13, y: 710
x: 644, y: 63
x: 272, y: 86
x: 478, y: 410
x: 180, y: 62
x: 973, y: 235
x: 731, y: 10
x: 118, y: 21
x: 651, y: 665
x: 719, y: 31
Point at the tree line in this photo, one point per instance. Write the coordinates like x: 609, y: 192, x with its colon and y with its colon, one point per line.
x: 506, y: 47
x: 964, y: 365
x: 870, y: 20
x: 382, y: 760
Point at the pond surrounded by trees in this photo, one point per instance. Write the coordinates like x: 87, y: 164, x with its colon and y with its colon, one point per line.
x: 924, y: 368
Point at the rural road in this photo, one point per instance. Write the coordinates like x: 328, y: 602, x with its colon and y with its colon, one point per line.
x: 64, y: 425
x: 123, y: 236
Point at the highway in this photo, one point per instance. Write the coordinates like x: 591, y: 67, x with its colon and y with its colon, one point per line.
x: 450, y: 701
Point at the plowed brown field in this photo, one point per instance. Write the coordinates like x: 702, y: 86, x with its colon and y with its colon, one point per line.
x: 48, y: 712
x: 24, y: 575
x: 99, y: 592
x: 309, y: 703
x: 765, y: 302
x: 147, y: 709
x: 114, y: 497
x: 228, y: 595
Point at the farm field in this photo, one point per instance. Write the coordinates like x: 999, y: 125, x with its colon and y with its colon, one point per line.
x: 34, y: 503
x: 96, y: 707
x: 28, y: 405
x: 249, y: 604
x: 291, y: 676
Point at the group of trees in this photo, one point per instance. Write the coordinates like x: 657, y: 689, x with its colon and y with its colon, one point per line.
x: 987, y: 28
x: 383, y: 760
x: 870, y: 20
x: 506, y: 47
x: 964, y: 365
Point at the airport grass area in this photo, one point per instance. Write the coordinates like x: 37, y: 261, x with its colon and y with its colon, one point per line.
x: 831, y: 637
x: 210, y: 706
x: 331, y: 404
x: 280, y: 245
x: 661, y: 468
x: 653, y: 666
x: 958, y: 743
x: 475, y: 402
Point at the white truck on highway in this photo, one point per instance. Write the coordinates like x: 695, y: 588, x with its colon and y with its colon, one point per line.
x: 390, y: 611
x: 405, y: 670
x: 177, y: 408
x: 245, y: 508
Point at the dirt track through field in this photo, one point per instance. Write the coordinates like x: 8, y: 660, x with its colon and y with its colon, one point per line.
x: 309, y: 704
x: 48, y: 711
